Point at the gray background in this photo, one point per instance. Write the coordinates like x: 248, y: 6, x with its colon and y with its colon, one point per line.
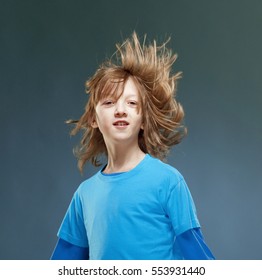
x: 48, y: 50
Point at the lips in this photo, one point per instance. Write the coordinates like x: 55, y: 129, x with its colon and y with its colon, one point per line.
x: 120, y: 123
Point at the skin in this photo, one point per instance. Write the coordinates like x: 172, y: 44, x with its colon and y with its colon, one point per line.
x: 120, y: 122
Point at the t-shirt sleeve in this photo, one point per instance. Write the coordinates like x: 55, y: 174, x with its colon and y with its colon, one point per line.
x: 180, y: 207
x: 193, y: 246
x: 72, y: 228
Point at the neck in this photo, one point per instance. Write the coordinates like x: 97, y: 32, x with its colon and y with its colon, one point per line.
x: 122, y: 158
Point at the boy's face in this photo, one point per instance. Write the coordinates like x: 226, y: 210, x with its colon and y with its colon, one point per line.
x: 120, y: 120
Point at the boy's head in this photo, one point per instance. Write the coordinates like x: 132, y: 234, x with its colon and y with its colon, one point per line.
x: 119, y: 117
x: 149, y: 67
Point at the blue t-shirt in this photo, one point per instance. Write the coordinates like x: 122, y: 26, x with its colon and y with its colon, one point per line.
x: 134, y: 215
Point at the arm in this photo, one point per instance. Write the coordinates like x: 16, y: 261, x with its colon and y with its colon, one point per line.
x: 72, y: 243
x: 67, y: 251
x: 193, y: 246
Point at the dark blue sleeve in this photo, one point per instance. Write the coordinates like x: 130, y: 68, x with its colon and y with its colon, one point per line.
x: 193, y: 246
x: 67, y: 251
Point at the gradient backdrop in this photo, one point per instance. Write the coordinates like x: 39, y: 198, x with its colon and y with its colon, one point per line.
x: 49, y: 48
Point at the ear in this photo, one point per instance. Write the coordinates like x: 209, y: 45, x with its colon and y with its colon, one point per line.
x: 94, y: 124
x: 142, y: 126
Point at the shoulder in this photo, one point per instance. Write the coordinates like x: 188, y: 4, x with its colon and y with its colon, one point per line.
x: 159, y: 168
x: 167, y: 181
x: 160, y: 176
x: 87, y: 185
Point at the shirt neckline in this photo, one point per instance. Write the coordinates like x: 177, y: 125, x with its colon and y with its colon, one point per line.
x: 125, y: 174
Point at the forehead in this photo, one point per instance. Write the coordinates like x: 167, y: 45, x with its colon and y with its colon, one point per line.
x: 130, y: 89
x: 115, y: 88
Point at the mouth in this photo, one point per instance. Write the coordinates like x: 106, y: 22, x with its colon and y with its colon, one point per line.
x: 120, y: 123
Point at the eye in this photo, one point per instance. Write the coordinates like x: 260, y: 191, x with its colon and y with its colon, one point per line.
x: 132, y: 102
x: 108, y: 102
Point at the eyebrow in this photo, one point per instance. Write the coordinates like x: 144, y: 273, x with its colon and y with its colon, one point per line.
x: 127, y: 96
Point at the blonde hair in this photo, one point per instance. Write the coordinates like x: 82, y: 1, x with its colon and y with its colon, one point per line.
x: 149, y: 66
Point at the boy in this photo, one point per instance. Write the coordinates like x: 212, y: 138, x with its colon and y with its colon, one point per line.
x: 136, y: 207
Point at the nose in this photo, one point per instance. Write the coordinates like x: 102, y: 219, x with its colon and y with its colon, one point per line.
x: 120, y: 110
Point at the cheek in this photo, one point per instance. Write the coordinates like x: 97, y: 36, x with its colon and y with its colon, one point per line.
x: 103, y: 123
x: 139, y: 121
x: 98, y: 116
